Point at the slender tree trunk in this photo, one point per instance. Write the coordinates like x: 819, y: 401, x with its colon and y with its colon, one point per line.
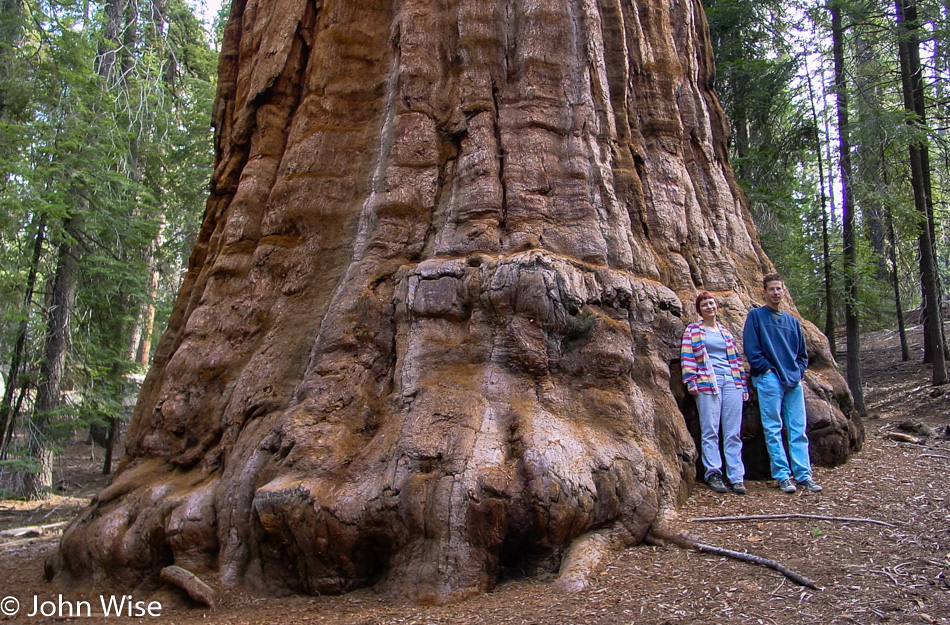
x: 125, y: 14
x: 141, y: 344
x: 898, y: 308
x: 741, y: 129
x: 138, y: 330
x: 849, y: 221
x: 893, y: 259
x: 7, y: 411
x: 113, y: 422
x: 110, y: 446
x: 14, y: 415
x: 867, y: 84
x: 110, y: 43
x: 147, y: 326
x: 829, y: 158
x: 11, y: 32
x: 38, y: 481
x: 825, y: 242
x: 912, y: 82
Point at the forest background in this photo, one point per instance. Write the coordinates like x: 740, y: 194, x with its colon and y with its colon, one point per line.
x: 840, y: 113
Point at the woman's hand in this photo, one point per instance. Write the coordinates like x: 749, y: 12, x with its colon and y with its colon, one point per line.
x: 745, y: 395
x: 694, y: 391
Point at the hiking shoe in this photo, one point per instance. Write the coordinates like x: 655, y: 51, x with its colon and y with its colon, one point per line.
x: 715, y: 482
x: 787, y: 485
x: 738, y: 488
x: 810, y: 485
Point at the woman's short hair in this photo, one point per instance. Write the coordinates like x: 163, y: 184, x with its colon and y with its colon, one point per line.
x: 703, y: 296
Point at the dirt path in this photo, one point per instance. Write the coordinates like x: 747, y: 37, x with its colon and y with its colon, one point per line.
x: 869, y: 572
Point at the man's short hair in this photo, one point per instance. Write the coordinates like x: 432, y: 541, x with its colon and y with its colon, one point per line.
x: 771, y: 277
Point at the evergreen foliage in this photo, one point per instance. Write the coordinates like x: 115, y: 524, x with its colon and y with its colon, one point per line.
x: 105, y: 147
x: 767, y: 54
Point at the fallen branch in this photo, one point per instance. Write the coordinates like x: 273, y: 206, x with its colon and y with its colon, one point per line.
x: 32, y: 531
x: 659, y: 536
x: 27, y: 541
x: 888, y: 573
x: 52, y: 510
x: 934, y: 456
x: 748, y: 557
x: 902, y: 438
x: 777, y: 517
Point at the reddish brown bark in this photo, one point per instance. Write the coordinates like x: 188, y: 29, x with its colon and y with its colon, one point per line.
x: 427, y: 330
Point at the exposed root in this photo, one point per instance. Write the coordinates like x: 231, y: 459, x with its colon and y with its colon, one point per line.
x: 586, y: 555
x: 581, y: 559
x: 190, y: 583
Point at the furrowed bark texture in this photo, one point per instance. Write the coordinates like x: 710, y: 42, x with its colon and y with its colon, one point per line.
x: 427, y: 332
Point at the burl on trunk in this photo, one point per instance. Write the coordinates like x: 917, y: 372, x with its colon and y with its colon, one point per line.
x: 426, y: 334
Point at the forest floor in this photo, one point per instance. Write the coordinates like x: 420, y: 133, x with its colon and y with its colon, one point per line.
x: 890, y: 566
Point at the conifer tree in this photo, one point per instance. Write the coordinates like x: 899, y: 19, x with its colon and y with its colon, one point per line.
x: 912, y: 81
x: 113, y: 139
x: 849, y: 219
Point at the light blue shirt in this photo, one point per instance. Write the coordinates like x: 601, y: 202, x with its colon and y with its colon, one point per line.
x: 716, y: 351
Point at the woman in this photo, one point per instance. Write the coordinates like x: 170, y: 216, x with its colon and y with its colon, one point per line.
x: 713, y: 374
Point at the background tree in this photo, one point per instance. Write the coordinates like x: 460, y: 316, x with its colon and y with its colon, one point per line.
x: 111, y: 144
x: 761, y: 77
x: 912, y: 82
x: 879, y: 133
x: 848, y: 208
x: 826, y: 207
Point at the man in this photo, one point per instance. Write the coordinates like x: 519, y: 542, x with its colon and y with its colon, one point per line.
x: 775, y: 350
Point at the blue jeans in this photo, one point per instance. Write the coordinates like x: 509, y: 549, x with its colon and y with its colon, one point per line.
x: 723, y: 408
x: 779, y: 405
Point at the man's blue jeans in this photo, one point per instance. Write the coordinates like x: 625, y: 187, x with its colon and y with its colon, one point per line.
x: 779, y: 405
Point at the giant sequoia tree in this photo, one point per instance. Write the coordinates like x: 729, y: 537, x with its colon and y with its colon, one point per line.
x: 427, y: 332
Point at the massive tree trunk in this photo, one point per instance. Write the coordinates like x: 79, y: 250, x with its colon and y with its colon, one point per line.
x: 427, y: 330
